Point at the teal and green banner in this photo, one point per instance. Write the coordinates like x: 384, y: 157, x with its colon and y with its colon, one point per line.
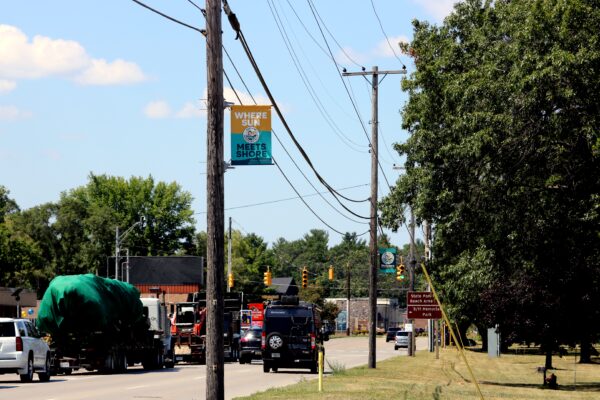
x: 387, y: 260
x: 251, y: 135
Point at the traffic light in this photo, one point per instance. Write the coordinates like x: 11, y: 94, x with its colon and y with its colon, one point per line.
x: 304, y: 278
x: 400, y: 269
x: 267, y: 277
x: 330, y: 275
x: 230, y: 280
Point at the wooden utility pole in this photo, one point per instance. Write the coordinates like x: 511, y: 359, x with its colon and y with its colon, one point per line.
x: 411, y: 276
x: 215, y: 224
x: 373, y: 216
x: 348, y: 299
x: 229, y: 256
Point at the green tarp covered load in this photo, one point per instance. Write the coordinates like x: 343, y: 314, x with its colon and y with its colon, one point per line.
x: 88, y: 303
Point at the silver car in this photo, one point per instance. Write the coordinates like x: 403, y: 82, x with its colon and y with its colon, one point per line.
x: 22, y: 350
x: 401, y: 340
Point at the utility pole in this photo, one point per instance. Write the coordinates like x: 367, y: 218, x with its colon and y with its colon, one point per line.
x: 373, y: 216
x: 215, y: 377
x: 348, y: 299
x: 430, y: 322
x: 229, y: 255
x: 411, y: 274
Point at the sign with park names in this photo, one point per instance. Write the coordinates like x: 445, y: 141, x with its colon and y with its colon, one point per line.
x: 422, y: 305
x: 387, y: 260
x: 251, y: 135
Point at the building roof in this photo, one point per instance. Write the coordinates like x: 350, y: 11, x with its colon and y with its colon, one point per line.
x: 172, y: 270
x: 28, y: 298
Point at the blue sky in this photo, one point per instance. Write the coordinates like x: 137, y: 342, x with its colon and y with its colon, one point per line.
x: 112, y: 88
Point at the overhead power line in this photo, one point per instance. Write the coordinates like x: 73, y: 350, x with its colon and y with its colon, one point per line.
x: 318, y: 18
x: 236, y: 27
x: 274, y: 133
x: 203, y: 32
x: 285, y: 199
x: 386, y: 36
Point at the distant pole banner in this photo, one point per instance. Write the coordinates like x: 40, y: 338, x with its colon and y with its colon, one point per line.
x: 387, y: 259
x: 251, y: 135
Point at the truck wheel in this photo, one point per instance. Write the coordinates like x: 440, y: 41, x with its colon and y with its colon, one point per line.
x: 266, y: 367
x: 45, y: 376
x: 28, y: 375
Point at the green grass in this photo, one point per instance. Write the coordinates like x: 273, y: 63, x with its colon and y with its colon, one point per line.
x: 424, y: 377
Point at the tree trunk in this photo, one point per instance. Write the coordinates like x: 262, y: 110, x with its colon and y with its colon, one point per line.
x: 549, y: 358
x: 484, y: 340
x: 585, y: 357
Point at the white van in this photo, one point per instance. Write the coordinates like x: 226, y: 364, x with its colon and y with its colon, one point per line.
x: 401, y: 340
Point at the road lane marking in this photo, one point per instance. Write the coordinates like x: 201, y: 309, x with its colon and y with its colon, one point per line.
x: 137, y: 387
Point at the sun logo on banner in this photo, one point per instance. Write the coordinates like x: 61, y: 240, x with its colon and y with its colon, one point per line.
x: 251, y: 134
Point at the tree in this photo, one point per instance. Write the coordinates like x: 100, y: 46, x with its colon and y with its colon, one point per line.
x: 503, y: 159
x: 7, y: 205
x: 250, y: 259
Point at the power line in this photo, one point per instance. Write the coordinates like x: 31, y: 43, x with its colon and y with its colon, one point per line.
x: 202, y: 31
x: 317, y: 17
x: 386, y: 36
x: 305, y: 203
x: 305, y: 80
x: 274, y: 133
x: 282, y: 200
x: 236, y: 26
x: 227, y: 77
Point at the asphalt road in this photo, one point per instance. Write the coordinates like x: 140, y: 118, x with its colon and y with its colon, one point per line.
x: 187, y: 382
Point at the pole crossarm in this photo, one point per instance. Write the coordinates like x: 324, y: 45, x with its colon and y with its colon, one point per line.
x: 379, y: 72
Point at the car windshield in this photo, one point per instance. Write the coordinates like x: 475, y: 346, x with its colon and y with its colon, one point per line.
x: 253, y: 332
x: 401, y: 334
x: 7, y: 329
x: 296, y: 321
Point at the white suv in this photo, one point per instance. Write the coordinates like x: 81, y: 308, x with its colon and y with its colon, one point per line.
x: 22, y: 350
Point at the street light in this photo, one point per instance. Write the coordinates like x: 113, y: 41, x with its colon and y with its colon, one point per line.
x: 118, y: 240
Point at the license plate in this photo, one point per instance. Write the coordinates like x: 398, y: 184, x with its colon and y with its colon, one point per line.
x: 275, y: 355
x: 178, y: 358
x: 64, y: 364
x: 258, y: 352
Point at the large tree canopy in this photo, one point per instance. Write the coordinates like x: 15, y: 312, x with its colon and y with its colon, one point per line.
x: 504, y: 117
x: 77, y: 234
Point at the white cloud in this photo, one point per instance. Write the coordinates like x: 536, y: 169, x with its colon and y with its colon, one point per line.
x: 191, y: 110
x: 117, y: 72
x: 12, y: 113
x: 197, y: 109
x: 7, y: 86
x: 44, y: 57
x: 383, y: 49
x: 350, y: 56
x: 157, y: 109
x: 230, y: 96
x: 439, y: 9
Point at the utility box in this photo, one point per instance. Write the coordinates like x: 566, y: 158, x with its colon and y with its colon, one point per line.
x: 493, y: 336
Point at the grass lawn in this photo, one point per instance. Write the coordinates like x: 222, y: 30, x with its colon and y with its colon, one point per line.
x: 424, y: 377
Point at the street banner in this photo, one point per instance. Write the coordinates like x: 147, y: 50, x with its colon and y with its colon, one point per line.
x: 246, y: 319
x: 257, y: 310
x: 251, y: 135
x: 387, y: 260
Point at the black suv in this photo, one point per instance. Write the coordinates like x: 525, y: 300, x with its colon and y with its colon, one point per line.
x: 292, y: 335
